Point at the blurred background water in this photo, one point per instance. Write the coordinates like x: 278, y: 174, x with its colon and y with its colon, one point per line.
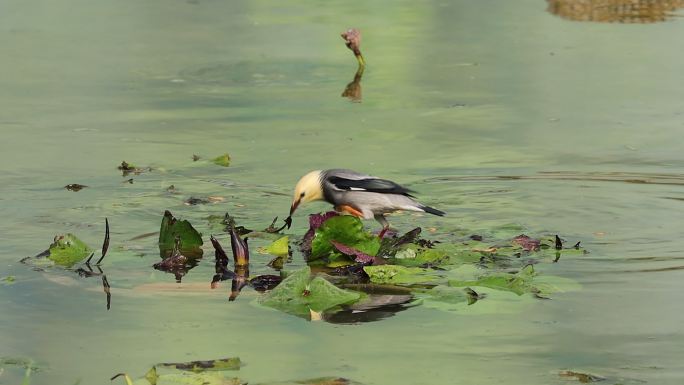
x: 556, y: 117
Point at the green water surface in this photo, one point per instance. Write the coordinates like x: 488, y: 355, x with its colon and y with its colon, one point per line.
x: 498, y: 112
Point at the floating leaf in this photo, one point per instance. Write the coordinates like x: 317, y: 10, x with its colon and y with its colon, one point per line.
x: 317, y: 381
x: 524, y: 281
x: 397, y: 275
x: 549, y: 284
x: 190, y: 239
x: 412, y: 256
x: 344, y: 229
x: 67, y: 250
x: 6, y: 281
x: 447, y: 298
x: 489, y: 301
x: 519, y: 283
x: 280, y: 247
x: 298, y: 294
x: 222, y: 160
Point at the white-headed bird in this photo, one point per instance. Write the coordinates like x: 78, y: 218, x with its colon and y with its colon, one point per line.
x: 361, y: 195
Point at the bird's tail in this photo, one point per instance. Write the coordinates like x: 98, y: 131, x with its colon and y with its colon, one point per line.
x: 432, y: 211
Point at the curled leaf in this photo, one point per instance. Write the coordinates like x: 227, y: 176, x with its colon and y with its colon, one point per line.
x: 67, y: 250
x: 239, y: 246
x: 172, y: 229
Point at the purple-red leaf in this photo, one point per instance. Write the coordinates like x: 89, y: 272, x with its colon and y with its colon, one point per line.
x: 527, y: 243
x: 315, y: 221
x: 359, y: 256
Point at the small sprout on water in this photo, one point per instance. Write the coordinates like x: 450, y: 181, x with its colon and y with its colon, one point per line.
x: 125, y: 166
x: 222, y: 160
x: 8, y: 280
x: 559, y: 244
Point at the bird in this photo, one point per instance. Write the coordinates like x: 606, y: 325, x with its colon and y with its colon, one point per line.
x: 363, y: 196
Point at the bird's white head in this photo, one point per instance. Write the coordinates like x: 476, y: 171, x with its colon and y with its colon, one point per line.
x: 309, y: 188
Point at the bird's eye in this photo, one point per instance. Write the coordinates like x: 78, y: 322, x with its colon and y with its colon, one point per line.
x: 301, y: 195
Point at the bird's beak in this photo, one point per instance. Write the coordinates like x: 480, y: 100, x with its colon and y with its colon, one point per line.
x: 295, y: 204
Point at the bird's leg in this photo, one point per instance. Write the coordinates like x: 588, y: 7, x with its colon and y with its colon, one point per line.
x: 385, y: 225
x: 349, y: 210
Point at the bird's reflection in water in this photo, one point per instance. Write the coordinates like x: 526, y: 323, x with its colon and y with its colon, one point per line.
x: 382, y: 302
x: 615, y: 11
x: 385, y: 306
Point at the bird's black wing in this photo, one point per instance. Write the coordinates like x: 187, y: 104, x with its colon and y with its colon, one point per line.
x: 383, y: 186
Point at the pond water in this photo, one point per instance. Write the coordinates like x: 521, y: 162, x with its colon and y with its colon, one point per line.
x: 503, y: 114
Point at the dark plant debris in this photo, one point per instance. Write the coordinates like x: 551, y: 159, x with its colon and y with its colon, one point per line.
x: 176, y: 263
x: 265, y: 282
x: 128, y: 168
x: 75, y: 187
x: 232, y: 363
x: 273, y: 230
x: 192, y: 201
x: 527, y: 243
x: 584, y: 378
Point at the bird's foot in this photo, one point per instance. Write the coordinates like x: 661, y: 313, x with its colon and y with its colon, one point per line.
x: 382, y: 232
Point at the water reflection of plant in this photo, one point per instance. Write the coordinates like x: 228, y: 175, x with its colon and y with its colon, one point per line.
x: 615, y: 11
